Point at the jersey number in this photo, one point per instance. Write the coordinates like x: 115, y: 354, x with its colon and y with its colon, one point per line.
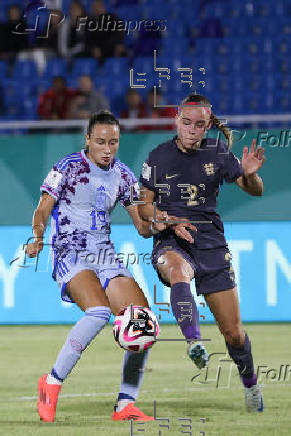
x: 191, y: 191
x: 97, y: 214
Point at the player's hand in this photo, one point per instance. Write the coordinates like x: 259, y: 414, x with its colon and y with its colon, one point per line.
x: 252, y: 160
x: 181, y: 229
x: 34, y: 248
x: 160, y: 222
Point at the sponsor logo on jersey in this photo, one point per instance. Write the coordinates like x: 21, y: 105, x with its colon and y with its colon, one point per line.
x: 170, y: 177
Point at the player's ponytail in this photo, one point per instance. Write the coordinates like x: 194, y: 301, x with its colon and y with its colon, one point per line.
x: 203, y: 101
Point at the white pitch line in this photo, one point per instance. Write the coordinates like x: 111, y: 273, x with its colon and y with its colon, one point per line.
x: 165, y: 390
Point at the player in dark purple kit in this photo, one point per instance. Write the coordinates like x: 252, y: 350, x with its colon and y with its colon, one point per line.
x: 182, y: 178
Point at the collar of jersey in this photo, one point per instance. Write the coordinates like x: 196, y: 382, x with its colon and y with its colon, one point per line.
x: 95, y: 167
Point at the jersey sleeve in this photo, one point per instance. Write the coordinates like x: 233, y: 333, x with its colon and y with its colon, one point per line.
x: 232, y: 168
x: 129, y: 188
x: 54, y: 182
x: 147, y: 173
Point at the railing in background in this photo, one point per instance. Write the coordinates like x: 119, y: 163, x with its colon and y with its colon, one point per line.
x: 252, y: 120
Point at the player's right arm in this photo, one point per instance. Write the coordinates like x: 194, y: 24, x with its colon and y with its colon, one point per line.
x: 149, y: 213
x: 51, y: 189
x: 39, y: 222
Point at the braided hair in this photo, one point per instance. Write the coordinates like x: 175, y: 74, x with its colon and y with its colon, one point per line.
x: 203, y: 101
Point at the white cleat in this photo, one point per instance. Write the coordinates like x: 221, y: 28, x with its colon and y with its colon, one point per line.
x: 254, y: 399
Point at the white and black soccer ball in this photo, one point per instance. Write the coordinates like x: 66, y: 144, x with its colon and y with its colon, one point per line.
x: 136, y: 328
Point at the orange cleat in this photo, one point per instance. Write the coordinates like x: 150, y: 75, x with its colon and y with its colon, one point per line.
x: 130, y: 412
x: 47, y: 399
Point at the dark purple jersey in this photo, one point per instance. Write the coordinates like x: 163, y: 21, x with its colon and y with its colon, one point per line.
x: 187, y: 184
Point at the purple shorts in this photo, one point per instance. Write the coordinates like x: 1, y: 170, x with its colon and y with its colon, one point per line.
x: 212, y: 266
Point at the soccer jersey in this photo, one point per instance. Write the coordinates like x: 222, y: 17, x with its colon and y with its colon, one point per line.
x: 187, y: 184
x: 85, y: 196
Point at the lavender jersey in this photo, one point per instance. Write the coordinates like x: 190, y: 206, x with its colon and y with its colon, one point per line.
x: 85, y: 196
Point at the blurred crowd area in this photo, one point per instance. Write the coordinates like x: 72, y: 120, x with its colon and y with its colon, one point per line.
x: 63, y: 59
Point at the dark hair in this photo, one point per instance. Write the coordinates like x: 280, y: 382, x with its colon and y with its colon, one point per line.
x: 101, y: 117
x: 196, y: 98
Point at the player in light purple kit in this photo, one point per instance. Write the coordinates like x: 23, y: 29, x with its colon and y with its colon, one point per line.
x: 80, y: 192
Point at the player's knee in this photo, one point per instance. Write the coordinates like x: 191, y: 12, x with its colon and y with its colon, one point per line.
x: 87, y: 328
x: 180, y: 272
x: 234, y: 335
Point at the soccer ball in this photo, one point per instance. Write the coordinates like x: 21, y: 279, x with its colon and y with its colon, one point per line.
x: 136, y: 328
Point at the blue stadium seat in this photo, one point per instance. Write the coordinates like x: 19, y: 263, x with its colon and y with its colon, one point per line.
x: 215, y: 10
x: 43, y: 85
x: 30, y: 106
x: 175, y: 46
x: 25, y: 70
x: 283, y: 102
x: 284, y: 84
x: 236, y: 9
x: 283, y: 47
x: 116, y: 66
x: 129, y: 12
x: 270, y: 9
x: 55, y: 67
x: 15, y: 91
x: 235, y: 27
x: 283, y: 64
x: 175, y: 27
x: 85, y: 66
x: 143, y: 65
x: 3, y: 69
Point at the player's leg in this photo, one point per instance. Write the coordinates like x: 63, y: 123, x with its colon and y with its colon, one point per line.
x: 121, y: 292
x: 225, y: 307
x: 178, y: 272
x: 86, y: 291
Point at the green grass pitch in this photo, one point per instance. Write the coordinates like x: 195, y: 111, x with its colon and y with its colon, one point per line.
x: 215, y: 404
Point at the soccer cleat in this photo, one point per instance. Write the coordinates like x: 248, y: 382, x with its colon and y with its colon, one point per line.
x: 130, y: 412
x: 198, y: 354
x: 254, y: 399
x: 47, y: 399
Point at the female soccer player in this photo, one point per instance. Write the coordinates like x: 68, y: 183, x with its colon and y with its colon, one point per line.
x: 183, y: 177
x: 80, y: 192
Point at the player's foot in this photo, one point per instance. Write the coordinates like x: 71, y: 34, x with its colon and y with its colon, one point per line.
x: 254, y: 399
x: 198, y: 354
x: 47, y: 399
x: 130, y: 412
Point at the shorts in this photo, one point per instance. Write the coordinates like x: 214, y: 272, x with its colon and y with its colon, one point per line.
x: 104, y: 262
x: 212, y: 267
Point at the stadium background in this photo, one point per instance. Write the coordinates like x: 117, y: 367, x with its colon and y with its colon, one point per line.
x: 244, y: 47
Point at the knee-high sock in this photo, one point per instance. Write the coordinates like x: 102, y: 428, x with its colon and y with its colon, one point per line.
x: 242, y: 357
x: 185, y: 310
x: 78, y: 339
x: 132, y: 374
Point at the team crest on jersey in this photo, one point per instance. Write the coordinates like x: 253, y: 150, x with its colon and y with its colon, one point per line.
x: 209, y: 169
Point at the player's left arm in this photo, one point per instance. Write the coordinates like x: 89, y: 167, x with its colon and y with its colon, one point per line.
x: 251, y: 162
x: 143, y: 227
